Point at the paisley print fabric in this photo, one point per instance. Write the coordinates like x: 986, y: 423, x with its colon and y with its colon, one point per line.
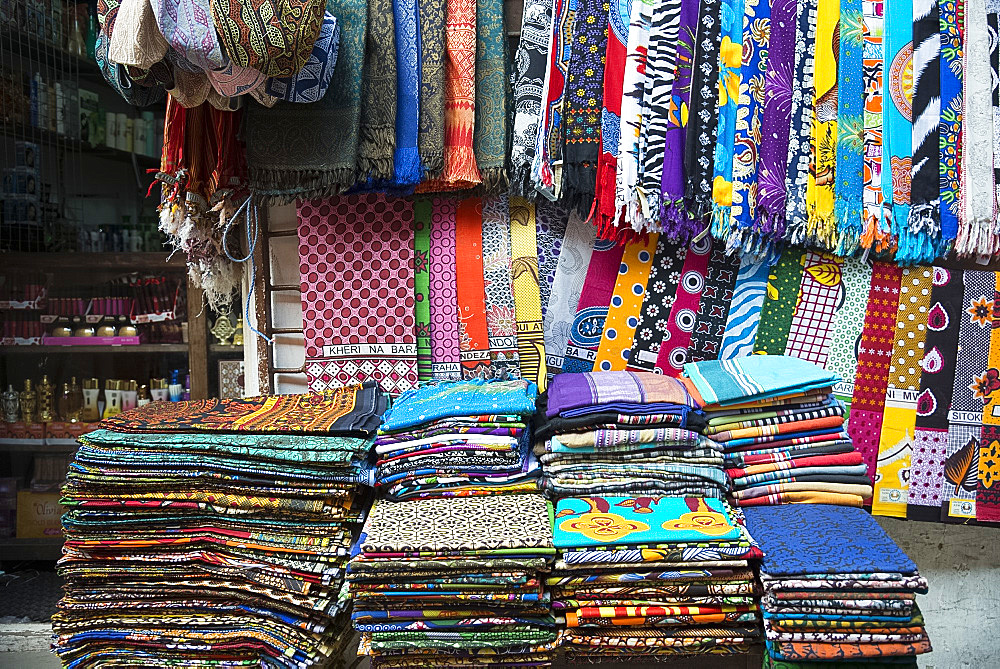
x: 275, y: 37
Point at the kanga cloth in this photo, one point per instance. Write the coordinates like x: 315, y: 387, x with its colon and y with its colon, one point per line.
x: 628, y: 201
x: 432, y: 40
x: 776, y: 313
x: 820, y: 193
x: 311, y: 82
x: 744, y: 309
x: 377, y: 133
x: 460, y: 95
x: 674, y: 349
x: 702, y: 125
x: 501, y: 323
x: 571, y: 272
x: 582, y: 105
x: 443, y: 291
x: 460, y: 398
x: 801, y: 115
x: 527, y: 300
x: 459, y: 524
x: 407, y: 168
x: 621, y: 322
x: 273, y: 37
x: 615, y: 53
x: 875, y: 232
x: 492, y: 96
x: 546, y: 175
x: 473, y: 335
x: 592, y: 307
x: 309, y: 151
x: 897, y: 113
x: 757, y: 377
x: 347, y: 410
x: 851, y: 541
x: 613, y: 520
x: 363, y: 236
x: 819, y: 292
x: 528, y: 76
x: 899, y: 415
x: 952, y: 16
x: 659, y: 296
x: 188, y: 27
x: 988, y: 485
x: 550, y: 228
x: 849, y: 187
x: 730, y: 63
x: 848, y: 322
x: 422, y: 214
x: 713, y: 308
x: 573, y: 391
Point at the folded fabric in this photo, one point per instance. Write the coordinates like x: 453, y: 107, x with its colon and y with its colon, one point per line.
x: 826, y: 473
x: 572, y: 391
x: 600, y: 440
x: 447, y: 399
x: 772, y: 418
x: 789, y: 430
x: 768, y: 409
x: 805, y: 497
x: 784, y: 453
x: 808, y: 651
x: 864, y: 491
x: 836, y: 459
x: 804, y: 437
x: 757, y: 377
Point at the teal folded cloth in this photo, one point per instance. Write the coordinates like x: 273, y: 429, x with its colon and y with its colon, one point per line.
x: 757, y: 377
x: 448, y: 399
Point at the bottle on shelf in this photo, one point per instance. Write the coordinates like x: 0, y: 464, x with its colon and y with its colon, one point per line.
x: 158, y: 390
x: 91, y: 392
x: 46, y: 400
x: 112, y: 398
x: 28, y: 402
x: 11, y: 404
x: 130, y: 394
x: 142, y: 396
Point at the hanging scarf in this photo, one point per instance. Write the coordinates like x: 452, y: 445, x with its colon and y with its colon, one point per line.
x: 673, y: 213
x: 769, y: 216
x: 713, y: 309
x: 920, y: 238
x: 500, y: 320
x: 730, y: 67
x: 407, y: 169
x: 460, y: 97
x: 592, y: 308
x: 987, y: 387
x: 930, y: 437
x: 820, y: 194
x: 900, y: 414
x: 661, y: 289
x: 619, y: 20
x: 550, y: 227
x: 582, y: 107
x: 674, y: 353
x: 524, y: 276
x: 965, y: 415
x: 528, y: 84
x: 490, y: 138
x: 809, y: 332
x: 746, y: 145
x: 952, y: 30
x: 896, y: 129
x: 633, y: 112
x: 850, y: 129
x: 744, y: 310
x: 876, y: 346
x: 782, y: 295
x: 233, y: 80
x: 473, y: 336
x: 546, y: 168
x: 311, y: 151
x: 976, y: 232
x: 848, y: 321
x: 699, y: 142
x: 188, y: 27
x: 422, y: 216
x: 273, y: 37
x: 114, y: 73
x: 442, y: 291
x: 361, y: 233
x: 875, y: 233
x: 430, y: 138
x: 800, y: 133
x: 377, y: 134
x: 571, y: 272
x: 630, y: 287
x: 311, y: 82
x: 137, y: 40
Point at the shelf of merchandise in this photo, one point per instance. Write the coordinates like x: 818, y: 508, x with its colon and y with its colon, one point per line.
x: 30, y: 133
x: 135, y: 348
x: 12, y: 548
x: 74, y: 262
x: 35, y: 448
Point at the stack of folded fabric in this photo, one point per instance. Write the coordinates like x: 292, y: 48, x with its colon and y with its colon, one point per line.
x: 836, y: 587
x: 216, y: 533
x: 454, y: 582
x: 630, y: 433
x: 781, y: 429
x: 640, y: 578
x: 458, y: 439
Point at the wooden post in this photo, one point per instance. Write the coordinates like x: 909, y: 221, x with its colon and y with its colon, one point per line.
x: 197, y: 342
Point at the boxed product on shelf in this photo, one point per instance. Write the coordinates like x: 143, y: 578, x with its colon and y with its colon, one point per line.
x: 22, y: 433
x: 39, y: 515
x: 49, y: 471
x: 21, y: 209
x: 91, y: 118
x: 26, y: 155
x: 59, y: 433
x: 21, y: 181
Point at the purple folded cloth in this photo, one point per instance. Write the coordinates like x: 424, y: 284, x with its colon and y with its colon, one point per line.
x: 573, y: 391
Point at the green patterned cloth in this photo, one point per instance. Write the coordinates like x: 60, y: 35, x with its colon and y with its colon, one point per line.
x: 848, y: 321
x: 779, y: 306
x: 377, y: 134
x: 492, y: 95
x: 421, y: 285
x: 430, y: 139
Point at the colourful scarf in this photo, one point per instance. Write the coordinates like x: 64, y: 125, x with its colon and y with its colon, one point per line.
x: 364, y: 235
x: 821, y: 228
x: 626, y: 301
x: 545, y: 175
x: 713, y: 309
x: 896, y: 128
x: 273, y: 37
x: 848, y: 321
x: 988, y: 482
x: 492, y: 93
x: 744, y: 310
x: 422, y: 216
x: 661, y: 288
x: 308, y: 84
x: 779, y: 307
x: 188, y: 27
x: 430, y: 138
x: 442, y: 291
x: 673, y: 353
x: 407, y: 169
x: 377, y: 134
x: 632, y: 114
x: 529, y: 76
x: 550, y: 227
x: 850, y: 128
x: 571, y: 272
x: 730, y: 67
x: 592, y: 308
x: 582, y: 107
x: 699, y: 142
x: 500, y: 320
x: 952, y: 27
x: 875, y: 232
x: 473, y: 336
x: 819, y: 292
x: 619, y: 21
x: 800, y: 134
x: 460, y: 96
x: 524, y: 275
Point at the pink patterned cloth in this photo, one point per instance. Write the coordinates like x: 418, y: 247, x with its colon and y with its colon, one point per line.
x: 356, y: 268
x: 188, y: 27
x: 684, y: 312
x: 443, y: 291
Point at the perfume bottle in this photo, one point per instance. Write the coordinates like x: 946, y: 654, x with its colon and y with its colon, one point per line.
x: 28, y: 402
x: 142, y: 396
x: 46, y: 400
x: 112, y: 398
x: 75, y: 409
x: 11, y: 404
x: 91, y: 392
x: 130, y: 393
x: 158, y: 390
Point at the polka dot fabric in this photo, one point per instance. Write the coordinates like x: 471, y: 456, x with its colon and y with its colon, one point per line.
x: 626, y: 303
x: 673, y: 352
x: 442, y: 291
x: 357, y: 281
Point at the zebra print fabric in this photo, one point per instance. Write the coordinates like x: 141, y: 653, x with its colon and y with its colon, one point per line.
x: 526, y: 79
x: 744, y: 313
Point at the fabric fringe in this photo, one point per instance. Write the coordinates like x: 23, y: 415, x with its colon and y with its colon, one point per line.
x: 919, y: 237
x: 849, y: 216
x: 494, y: 180
x: 460, y: 166
x: 407, y: 168
x: 433, y: 166
x: 376, y: 146
x: 274, y: 186
x: 577, y: 192
x: 976, y: 239
x: 521, y: 182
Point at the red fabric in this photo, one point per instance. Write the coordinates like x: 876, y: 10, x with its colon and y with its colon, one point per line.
x: 839, y: 460
x: 607, y: 164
